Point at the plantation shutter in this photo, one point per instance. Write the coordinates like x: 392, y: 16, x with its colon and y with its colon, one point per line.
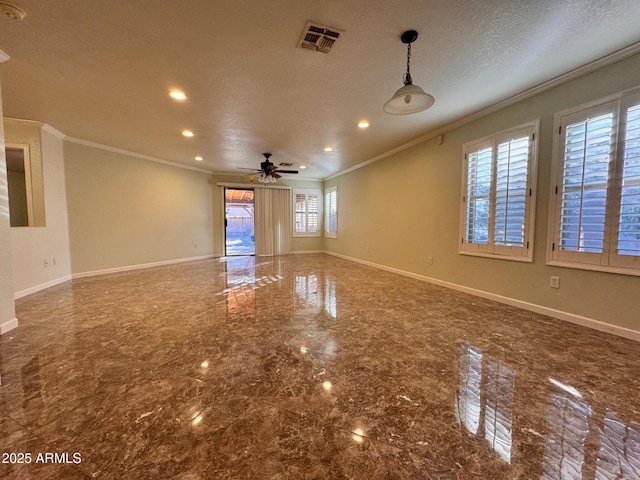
x: 331, y: 212
x: 479, y: 174
x: 626, y: 229
x: 629, y: 222
x: 597, y: 194
x: 301, y: 212
x: 313, y: 210
x: 587, y: 149
x: 511, y: 192
x: 499, y: 173
x: 307, y: 211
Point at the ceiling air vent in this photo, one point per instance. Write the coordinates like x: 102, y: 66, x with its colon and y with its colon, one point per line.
x: 319, y: 38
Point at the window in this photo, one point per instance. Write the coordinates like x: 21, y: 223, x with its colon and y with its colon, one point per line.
x: 306, y: 213
x: 498, y: 194
x: 595, y: 191
x: 331, y: 212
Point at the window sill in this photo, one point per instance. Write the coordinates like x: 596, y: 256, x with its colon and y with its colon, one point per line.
x: 595, y: 268
x: 528, y: 259
x: 306, y: 235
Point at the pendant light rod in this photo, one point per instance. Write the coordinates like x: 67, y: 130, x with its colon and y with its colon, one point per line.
x: 410, y: 98
x: 408, y: 37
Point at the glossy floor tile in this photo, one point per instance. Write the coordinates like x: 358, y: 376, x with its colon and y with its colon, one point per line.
x: 307, y: 367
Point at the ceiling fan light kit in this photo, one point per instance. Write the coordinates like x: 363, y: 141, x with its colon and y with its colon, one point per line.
x: 264, y: 178
x: 410, y: 98
x: 269, y: 172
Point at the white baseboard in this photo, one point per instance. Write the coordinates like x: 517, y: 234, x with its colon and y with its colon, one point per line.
x: 127, y: 268
x: 42, y: 286
x: 551, y: 312
x: 7, y: 326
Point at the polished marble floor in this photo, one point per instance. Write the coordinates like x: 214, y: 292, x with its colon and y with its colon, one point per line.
x: 307, y: 367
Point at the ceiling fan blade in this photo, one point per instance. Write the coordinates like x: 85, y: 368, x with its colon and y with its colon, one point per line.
x: 248, y: 169
x: 275, y: 175
x: 286, y: 171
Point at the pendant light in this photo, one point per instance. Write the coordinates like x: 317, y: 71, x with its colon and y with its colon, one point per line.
x: 410, y: 98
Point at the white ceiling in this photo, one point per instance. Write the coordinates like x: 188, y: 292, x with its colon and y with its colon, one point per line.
x: 100, y: 71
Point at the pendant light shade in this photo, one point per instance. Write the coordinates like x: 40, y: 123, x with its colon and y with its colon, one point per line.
x: 410, y: 98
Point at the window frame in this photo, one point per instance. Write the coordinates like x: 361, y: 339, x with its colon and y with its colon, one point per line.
x: 307, y: 192
x: 490, y: 249
x: 608, y: 260
x: 327, y: 212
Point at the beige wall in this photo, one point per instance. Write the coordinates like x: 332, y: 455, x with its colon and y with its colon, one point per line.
x: 32, y: 246
x: 298, y: 244
x: 400, y: 211
x: 126, y: 211
x: 7, y: 303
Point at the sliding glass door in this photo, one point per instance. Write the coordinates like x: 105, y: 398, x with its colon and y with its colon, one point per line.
x: 239, y: 222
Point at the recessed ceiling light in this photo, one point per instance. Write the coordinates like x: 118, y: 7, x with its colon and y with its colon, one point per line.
x: 198, y: 158
x: 302, y: 167
x: 177, y: 95
x: 328, y: 148
x: 187, y: 133
x: 363, y: 124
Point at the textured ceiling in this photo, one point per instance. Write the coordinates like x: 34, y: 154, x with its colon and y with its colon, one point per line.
x: 100, y: 71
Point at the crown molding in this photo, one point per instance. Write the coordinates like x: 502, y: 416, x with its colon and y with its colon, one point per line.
x: 57, y: 133
x: 34, y: 123
x: 129, y: 153
x: 21, y: 121
x: 53, y: 131
x: 602, y: 62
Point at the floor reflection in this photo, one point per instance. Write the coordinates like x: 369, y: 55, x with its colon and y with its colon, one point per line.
x: 619, y: 455
x: 565, y: 442
x: 240, y: 280
x: 491, y: 399
x: 467, y: 405
x: 307, y: 366
x: 313, y: 292
x: 499, y: 407
x: 240, y: 270
x: 330, y: 304
x: 307, y: 295
x: 579, y: 443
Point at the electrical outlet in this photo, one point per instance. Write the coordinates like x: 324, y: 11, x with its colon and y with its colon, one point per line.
x: 430, y: 260
x: 46, y: 263
x: 54, y: 261
x: 555, y: 282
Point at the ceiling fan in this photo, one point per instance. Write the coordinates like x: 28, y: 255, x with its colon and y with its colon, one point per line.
x: 268, y: 172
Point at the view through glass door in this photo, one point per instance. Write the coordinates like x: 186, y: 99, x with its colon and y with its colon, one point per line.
x: 240, y: 236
